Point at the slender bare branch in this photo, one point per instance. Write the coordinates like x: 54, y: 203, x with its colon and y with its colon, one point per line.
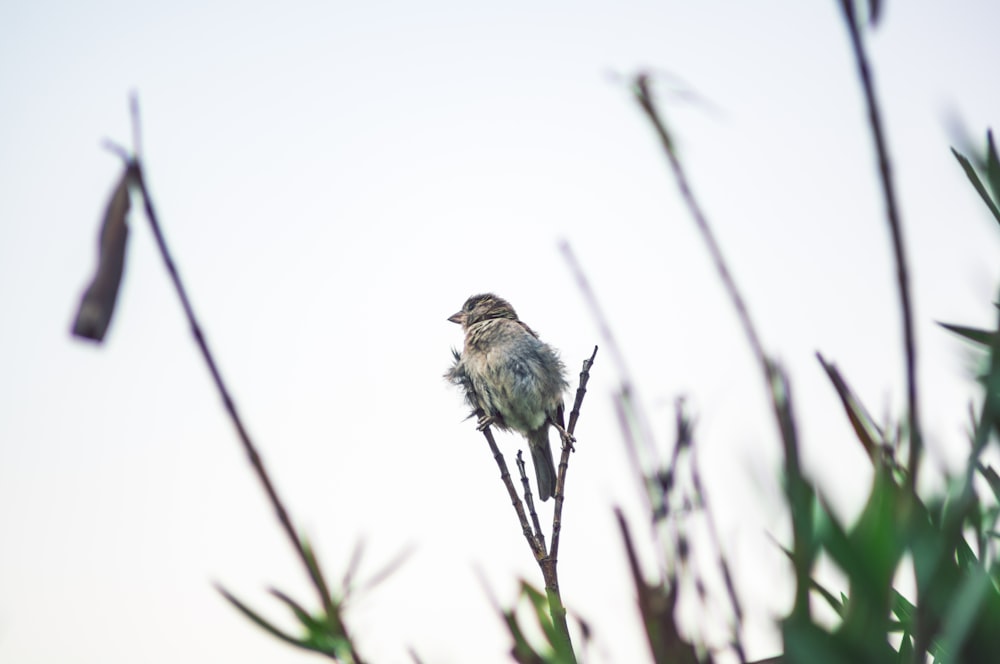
x: 896, y: 230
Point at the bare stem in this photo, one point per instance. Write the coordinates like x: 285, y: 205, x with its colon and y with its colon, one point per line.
x: 255, y: 460
x: 896, y: 229
x: 777, y: 382
x: 515, y: 500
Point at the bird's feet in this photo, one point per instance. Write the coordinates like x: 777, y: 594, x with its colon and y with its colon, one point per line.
x: 484, y: 422
x: 567, y: 438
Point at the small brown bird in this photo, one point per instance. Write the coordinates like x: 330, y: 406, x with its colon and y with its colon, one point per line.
x: 513, y: 377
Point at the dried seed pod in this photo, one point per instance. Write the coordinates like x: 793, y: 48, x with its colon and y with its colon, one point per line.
x: 98, y: 302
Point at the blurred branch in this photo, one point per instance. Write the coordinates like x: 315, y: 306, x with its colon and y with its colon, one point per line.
x: 777, y: 382
x: 326, y: 634
x: 896, y: 230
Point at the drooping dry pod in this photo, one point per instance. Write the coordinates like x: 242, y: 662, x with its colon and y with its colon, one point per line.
x: 98, y: 302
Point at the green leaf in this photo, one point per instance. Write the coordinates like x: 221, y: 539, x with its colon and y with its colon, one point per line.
x: 311, y: 624
x: 992, y: 165
x: 991, y: 478
x: 540, y: 603
x: 983, y: 337
x: 903, y: 609
x: 906, y: 649
x: 864, y: 426
x: 970, y: 172
x: 522, y: 652
x: 836, y: 604
x: 970, y: 604
x: 264, y: 624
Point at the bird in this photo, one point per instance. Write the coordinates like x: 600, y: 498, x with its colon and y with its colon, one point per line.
x: 513, y: 379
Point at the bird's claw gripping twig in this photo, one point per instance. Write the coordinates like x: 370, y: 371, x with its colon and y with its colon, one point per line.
x: 567, y: 437
x: 484, y: 422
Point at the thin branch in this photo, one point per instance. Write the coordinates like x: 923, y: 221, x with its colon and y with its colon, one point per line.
x: 727, y: 576
x: 530, y: 501
x: 777, y: 382
x: 515, y: 500
x: 896, y: 229
x: 251, y: 451
x: 574, y: 416
x: 645, y: 100
x: 581, y: 391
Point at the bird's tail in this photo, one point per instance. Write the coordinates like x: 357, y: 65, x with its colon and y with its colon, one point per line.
x: 541, y: 459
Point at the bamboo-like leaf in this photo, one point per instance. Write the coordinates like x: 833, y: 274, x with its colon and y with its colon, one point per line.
x: 970, y: 172
x: 98, y: 302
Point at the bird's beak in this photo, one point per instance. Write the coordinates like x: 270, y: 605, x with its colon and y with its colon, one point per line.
x: 458, y: 318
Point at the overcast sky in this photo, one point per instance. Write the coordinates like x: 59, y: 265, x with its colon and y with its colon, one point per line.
x: 334, y: 180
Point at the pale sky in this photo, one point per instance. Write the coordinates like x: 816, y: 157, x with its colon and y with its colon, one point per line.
x: 334, y: 179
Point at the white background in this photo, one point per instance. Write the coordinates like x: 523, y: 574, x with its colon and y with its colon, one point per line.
x: 334, y: 180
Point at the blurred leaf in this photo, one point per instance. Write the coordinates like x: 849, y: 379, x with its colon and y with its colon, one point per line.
x: 98, y: 302
x: 265, y: 625
x: 903, y: 609
x: 992, y: 165
x: 905, y: 649
x: 861, y: 421
x: 297, y: 609
x: 984, y: 337
x: 541, y: 606
x: 836, y: 604
x: 808, y: 643
x: 970, y: 172
x: 991, y: 478
x: 329, y: 604
x: 874, y: 12
x: 971, y: 628
x: 522, y: 652
x: 656, y: 607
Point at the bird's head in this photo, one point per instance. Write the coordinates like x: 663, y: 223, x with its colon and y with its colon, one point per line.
x: 483, y: 307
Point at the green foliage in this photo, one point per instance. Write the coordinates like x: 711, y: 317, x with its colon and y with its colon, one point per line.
x: 949, y: 536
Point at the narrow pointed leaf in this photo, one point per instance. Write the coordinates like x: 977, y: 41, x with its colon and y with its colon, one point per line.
x: 992, y: 166
x: 317, y: 575
x: 264, y: 624
x: 864, y: 427
x: 991, y: 478
x: 522, y: 651
x: 970, y: 173
x: 984, y: 337
x: 310, y: 623
x: 541, y: 607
